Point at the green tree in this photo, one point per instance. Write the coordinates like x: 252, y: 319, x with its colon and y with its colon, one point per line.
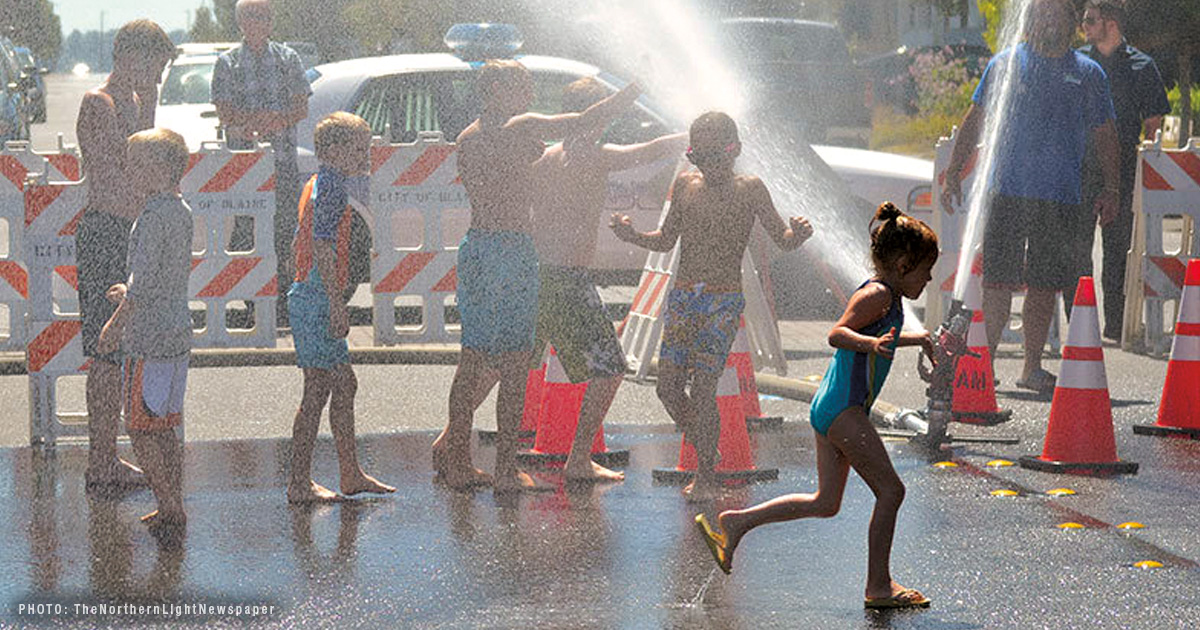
x: 32, y: 23
x: 204, y: 28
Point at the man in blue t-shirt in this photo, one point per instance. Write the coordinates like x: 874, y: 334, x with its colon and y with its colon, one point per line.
x: 1140, y: 101
x: 259, y: 88
x: 1051, y: 99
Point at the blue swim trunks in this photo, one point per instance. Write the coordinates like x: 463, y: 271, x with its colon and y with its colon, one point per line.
x: 497, y: 291
x: 699, y: 328
x: 854, y: 379
x: 308, y: 314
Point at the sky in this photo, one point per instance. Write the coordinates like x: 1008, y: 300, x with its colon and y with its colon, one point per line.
x: 85, y: 14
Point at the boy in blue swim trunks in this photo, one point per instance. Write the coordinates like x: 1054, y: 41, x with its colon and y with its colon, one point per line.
x: 317, y: 310
x: 497, y: 265
x: 712, y: 212
x: 904, y: 251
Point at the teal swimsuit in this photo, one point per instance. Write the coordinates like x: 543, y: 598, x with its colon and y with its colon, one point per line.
x: 854, y: 379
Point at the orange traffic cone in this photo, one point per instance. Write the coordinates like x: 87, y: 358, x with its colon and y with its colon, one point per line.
x: 743, y: 363
x: 1179, y: 411
x: 737, y: 457
x: 558, y: 417
x: 974, y: 381
x: 1079, y: 437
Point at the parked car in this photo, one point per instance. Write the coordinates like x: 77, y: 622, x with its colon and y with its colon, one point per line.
x: 32, y: 83
x: 800, y: 73
x: 184, y: 98
x: 14, y: 110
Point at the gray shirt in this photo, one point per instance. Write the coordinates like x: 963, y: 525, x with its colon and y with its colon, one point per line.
x: 160, y: 260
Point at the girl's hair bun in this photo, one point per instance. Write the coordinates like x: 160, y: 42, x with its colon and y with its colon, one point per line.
x: 887, y: 211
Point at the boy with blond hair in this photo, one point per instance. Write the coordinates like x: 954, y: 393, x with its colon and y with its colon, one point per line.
x: 151, y: 323
x: 711, y: 215
x: 318, y: 314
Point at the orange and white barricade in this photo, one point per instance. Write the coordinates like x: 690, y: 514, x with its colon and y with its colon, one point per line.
x: 223, y: 187
x: 1166, y: 205
x: 54, y: 349
x: 410, y: 181
x: 17, y: 163
x: 951, y: 231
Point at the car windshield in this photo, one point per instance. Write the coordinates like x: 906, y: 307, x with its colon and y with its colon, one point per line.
x: 187, y: 84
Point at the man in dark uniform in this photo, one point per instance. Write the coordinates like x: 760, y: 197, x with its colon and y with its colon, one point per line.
x: 1140, y: 101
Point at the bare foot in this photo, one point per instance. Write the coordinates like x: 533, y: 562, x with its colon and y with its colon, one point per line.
x: 702, y: 490
x: 314, y: 493
x: 521, y: 482
x: 592, y: 473
x: 365, y: 483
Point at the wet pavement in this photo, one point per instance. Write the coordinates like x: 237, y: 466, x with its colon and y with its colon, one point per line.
x: 621, y: 556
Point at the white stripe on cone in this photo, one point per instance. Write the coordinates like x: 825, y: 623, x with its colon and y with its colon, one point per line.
x: 555, y: 372
x: 727, y: 385
x: 1084, y: 331
x: 1083, y: 375
x: 977, y: 335
x: 1185, y: 348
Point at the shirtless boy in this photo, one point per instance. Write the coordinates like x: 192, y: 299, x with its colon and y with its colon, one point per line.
x: 711, y: 215
x: 497, y: 265
x: 572, y: 179
x: 108, y: 115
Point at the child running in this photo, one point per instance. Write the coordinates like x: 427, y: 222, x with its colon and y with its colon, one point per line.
x: 151, y: 322
x: 903, y: 250
x: 317, y: 310
x: 712, y: 212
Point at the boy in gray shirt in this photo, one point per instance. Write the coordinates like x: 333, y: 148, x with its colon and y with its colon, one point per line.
x: 152, y: 323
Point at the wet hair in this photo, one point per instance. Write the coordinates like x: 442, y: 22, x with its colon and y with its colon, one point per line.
x: 1109, y: 10
x: 499, y: 73
x: 582, y: 93
x: 336, y: 129
x: 899, y: 236
x: 719, y: 124
x: 162, y: 149
x: 142, y: 39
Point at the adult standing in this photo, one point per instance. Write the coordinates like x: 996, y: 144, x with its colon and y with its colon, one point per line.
x: 260, y: 91
x: 1140, y: 101
x: 108, y: 115
x: 1059, y: 99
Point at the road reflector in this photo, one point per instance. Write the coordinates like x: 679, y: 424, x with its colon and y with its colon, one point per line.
x: 1070, y: 526
x: 1148, y: 564
x: 945, y: 465
x: 999, y: 463
x: 1060, y: 492
x: 1130, y: 525
x: 1004, y: 493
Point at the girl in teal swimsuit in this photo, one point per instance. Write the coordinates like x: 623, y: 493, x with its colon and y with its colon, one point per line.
x: 903, y: 250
